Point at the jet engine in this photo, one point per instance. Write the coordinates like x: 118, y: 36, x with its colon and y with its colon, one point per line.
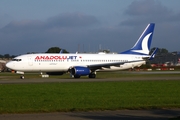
x: 80, y: 71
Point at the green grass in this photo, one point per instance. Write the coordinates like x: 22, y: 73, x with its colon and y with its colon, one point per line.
x: 85, y: 96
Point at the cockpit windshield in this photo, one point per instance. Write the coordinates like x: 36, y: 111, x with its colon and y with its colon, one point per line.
x: 16, y: 60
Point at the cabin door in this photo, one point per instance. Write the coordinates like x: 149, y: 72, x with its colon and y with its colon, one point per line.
x: 30, y: 61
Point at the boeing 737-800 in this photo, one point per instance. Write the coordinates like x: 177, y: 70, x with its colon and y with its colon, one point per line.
x: 86, y: 64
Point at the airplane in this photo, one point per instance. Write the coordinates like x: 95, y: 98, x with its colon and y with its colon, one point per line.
x: 86, y: 64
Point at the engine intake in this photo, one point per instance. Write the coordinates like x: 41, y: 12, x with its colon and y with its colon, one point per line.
x: 80, y: 71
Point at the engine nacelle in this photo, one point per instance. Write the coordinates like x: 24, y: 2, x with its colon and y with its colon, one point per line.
x: 80, y: 71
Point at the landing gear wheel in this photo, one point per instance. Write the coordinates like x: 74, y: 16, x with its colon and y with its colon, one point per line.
x: 77, y: 76
x: 92, y: 75
x: 22, y: 76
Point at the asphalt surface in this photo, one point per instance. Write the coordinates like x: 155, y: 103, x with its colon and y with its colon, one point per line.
x: 98, y: 115
x: 51, y: 80
x: 163, y: 114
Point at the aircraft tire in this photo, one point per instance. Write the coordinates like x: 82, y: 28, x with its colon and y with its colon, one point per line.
x: 92, y: 75
x: 22, y: 76
x: 77, y: 76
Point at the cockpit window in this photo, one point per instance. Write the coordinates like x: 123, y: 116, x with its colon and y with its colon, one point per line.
x: 16, y: 60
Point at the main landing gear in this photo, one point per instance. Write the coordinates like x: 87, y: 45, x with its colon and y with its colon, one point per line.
x: 92, y: 75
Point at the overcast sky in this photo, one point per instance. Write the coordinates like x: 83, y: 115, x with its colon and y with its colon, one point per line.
x: 86, y: 25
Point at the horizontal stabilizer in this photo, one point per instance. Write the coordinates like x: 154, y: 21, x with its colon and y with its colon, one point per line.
x: 153, y: 54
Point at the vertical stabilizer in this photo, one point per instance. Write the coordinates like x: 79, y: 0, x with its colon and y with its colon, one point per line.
x: 143, y: 44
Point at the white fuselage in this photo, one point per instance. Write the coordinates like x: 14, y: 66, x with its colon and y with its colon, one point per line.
x: 87, y: 64
x: 63, y: 62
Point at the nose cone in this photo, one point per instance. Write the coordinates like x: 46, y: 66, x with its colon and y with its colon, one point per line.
x: 9, y: 65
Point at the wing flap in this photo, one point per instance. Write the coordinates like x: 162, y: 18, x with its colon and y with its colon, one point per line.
x: 108, y: 65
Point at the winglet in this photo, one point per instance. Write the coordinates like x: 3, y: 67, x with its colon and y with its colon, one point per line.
x: 143, y: 44
x: 61, y: 51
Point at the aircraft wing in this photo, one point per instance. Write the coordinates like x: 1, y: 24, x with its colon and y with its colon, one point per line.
x: 107, y: 65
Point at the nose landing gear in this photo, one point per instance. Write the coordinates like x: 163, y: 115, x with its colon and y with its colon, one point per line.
x: 22, y: 76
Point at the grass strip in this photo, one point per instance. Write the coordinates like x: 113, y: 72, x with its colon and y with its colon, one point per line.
x: 85, y: 96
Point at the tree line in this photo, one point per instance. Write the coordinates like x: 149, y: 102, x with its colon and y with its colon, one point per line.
x: 7, y: 56
x: 50, y: 50
x: 161, y: 51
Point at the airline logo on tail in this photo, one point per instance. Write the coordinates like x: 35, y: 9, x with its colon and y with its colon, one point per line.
x: 142, y: 46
